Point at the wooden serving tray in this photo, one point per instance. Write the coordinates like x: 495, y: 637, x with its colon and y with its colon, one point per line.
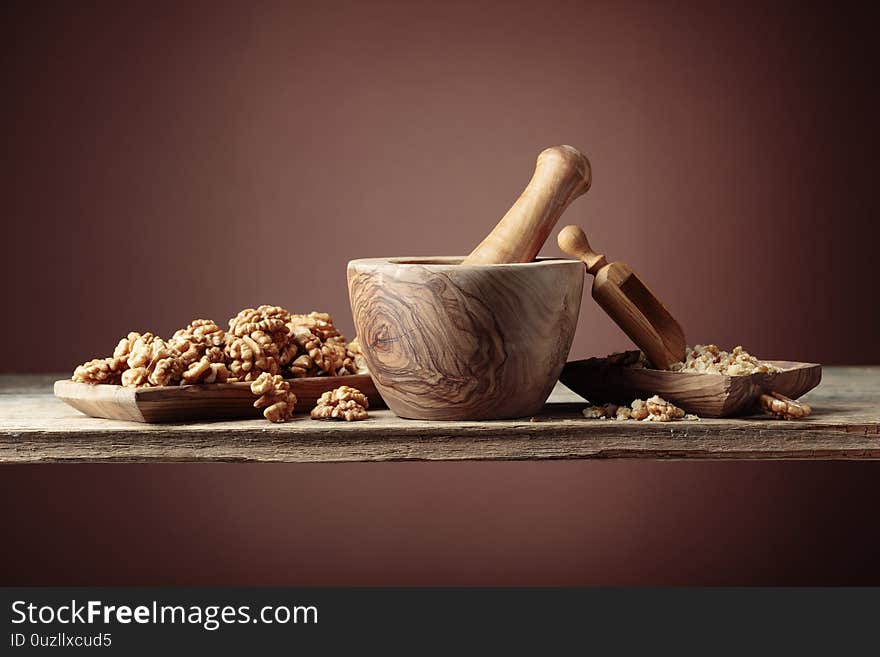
x: 707, y: 395
x: 214, y: 401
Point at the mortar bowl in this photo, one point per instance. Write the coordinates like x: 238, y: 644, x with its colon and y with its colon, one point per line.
x: 445, y: 341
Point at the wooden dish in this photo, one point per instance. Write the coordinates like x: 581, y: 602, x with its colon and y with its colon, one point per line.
x: 215, y: 401
x: 446, y: 341
x: 706, y: 395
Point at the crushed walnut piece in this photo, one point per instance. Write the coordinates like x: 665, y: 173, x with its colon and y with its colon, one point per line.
x: 275, y: 397
x: 783, y: 407
x: 663, y: 410
x: 342, y: 403
x: 710, y: 359
x: 654, y: 409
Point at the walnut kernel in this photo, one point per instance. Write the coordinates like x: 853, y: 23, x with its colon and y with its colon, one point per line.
x: 101, y: 370
x: 251, y: 355
x: 275, y: 397
x: 783, y: 407
x: 205, y: 370
x: 342, y: 403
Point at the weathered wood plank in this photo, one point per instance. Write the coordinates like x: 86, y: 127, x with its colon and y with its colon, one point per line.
x: 35, y: 427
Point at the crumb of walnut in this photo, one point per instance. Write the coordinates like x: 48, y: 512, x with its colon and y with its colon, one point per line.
x: 275, y: 397
x: 342, y: 403
x: 593, y: 412
x: 663, y: 410
x: 784, y: 407
x: 251, y: 355
x: 101, y: 370
x: 655, y: 409
x: 710, y: 359
x: 605, y: 411
x: 639, y: 409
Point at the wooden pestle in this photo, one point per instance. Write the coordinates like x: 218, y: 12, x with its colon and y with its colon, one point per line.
x: 562, y: 173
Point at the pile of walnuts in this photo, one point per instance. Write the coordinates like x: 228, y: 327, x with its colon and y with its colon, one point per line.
x: 263, y: 345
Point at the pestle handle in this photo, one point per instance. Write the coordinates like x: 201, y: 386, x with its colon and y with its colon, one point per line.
x: 573, y: 241
x: 562, y: 173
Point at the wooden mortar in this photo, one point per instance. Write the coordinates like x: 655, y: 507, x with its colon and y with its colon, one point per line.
x: 447, y: 341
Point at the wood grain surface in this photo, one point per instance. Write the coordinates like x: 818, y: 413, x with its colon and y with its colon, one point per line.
x: 445, y: 341
x: 37, y: 428
x: 707, y: 395
x: 213, y: 401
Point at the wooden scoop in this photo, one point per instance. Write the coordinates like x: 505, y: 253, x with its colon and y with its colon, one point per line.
x: 562, y: 173
x: 629, y: 302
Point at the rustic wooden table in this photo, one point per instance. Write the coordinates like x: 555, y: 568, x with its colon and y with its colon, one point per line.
x: 37, y: 428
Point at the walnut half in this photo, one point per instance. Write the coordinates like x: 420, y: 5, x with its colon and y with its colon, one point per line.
x: 784, y: 407
x: 276, y: 398
x: 101, y: 370
x: 342, y: 403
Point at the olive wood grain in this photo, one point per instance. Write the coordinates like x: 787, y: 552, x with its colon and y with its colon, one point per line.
x: 447, y: 341
x: 706, y: 395
x: 213, y: 401
x: 562, y: 173
x: 628, y: 301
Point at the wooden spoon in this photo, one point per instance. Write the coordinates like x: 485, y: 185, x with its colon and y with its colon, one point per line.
x: 562, y: 173
x: 629, y: 302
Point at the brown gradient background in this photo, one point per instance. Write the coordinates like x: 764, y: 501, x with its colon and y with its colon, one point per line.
x: 186, y: 159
